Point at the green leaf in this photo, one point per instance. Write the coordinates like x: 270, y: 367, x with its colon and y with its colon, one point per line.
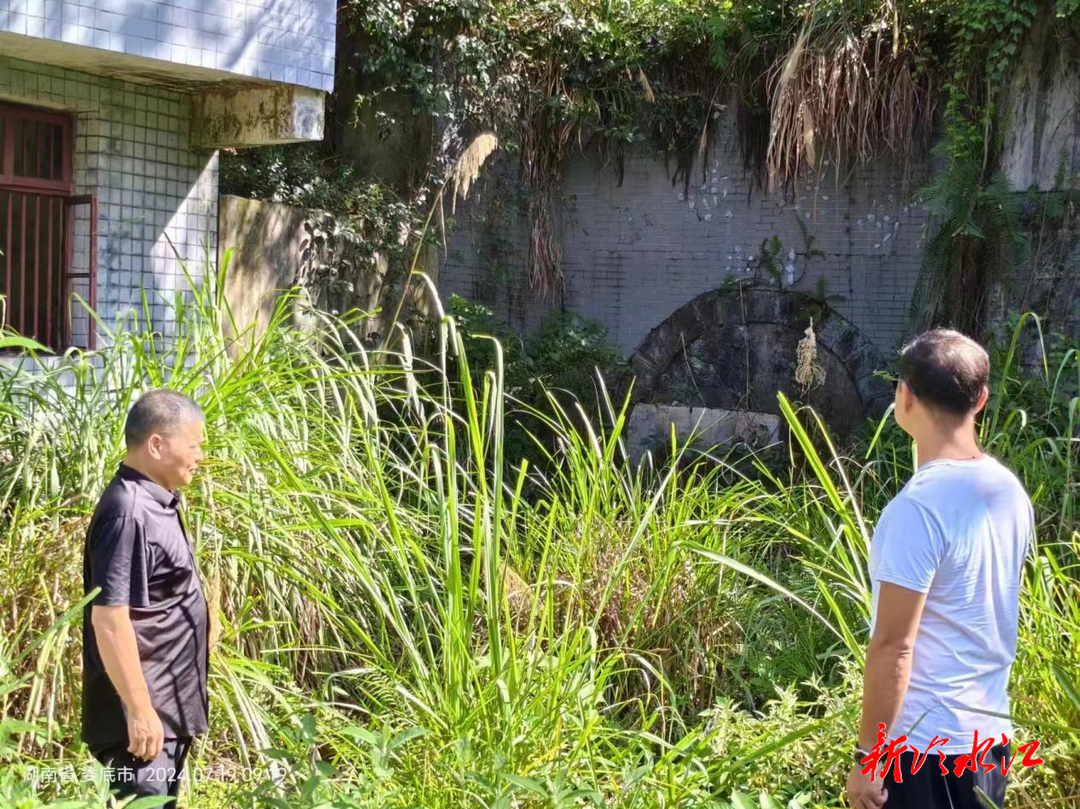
x: 148, y: 802
x: 768, y: 802
x: 362, y: 734
x: 742, y: 801
x: 528, y: 784
x: 9, y: 342
x: 310, y: 788
x: 327, y: 769
x: 406, y: 736
x: 985, y: 800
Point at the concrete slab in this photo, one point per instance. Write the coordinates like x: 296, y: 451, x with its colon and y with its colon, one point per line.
x: 649, y: 428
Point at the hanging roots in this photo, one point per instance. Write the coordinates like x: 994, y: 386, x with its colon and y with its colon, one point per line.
x: 545, y: 252
x: 851, y: 94
x: 544, y: 134
x: 808, y: 373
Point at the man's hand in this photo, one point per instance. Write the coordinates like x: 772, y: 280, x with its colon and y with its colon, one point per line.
x: 862, y: 793
x: 120, y: 653
x: 145, y: 733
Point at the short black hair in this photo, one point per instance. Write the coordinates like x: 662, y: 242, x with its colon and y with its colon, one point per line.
x: 159, y: 411
x: 946, y: 370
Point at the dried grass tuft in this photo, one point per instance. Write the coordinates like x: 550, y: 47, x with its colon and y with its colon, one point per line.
x: 808, y: 373
x: 468, y: 166
x: 646, y: 88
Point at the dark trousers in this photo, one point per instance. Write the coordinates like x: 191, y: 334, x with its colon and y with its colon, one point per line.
x: 929, y: 789
x: 134, y: 776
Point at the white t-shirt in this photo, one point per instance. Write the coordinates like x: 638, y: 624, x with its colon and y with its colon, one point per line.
x: 958, y: 531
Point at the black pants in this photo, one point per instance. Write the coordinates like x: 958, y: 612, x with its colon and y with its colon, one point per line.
x: 134, y: 776
x: 929, y: 789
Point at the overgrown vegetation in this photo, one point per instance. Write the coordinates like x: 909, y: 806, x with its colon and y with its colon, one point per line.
x: 360, y: 233
x: 809, y: 84
x: 412, y: 618
x: 977, y: 243
x: 562, y: 358
x: 978, y: 236
x: 806, y: 81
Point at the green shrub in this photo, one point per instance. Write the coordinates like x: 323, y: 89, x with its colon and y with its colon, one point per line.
x: 566, y: 357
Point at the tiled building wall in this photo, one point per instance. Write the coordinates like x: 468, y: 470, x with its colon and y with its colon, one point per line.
x: 288, y: 41
x: 157, y: 199
x: 634, y: 253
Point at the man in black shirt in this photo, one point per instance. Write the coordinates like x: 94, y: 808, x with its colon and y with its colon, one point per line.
x: 145, y: 634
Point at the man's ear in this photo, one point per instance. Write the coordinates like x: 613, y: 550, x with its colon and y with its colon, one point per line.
x: 979, y: 405
x: 907, y: 398
x: 153, y: 446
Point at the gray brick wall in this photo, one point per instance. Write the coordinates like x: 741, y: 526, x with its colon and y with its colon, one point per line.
x: 288, y: 41
x: 633, y: 254
x: 131, y: 151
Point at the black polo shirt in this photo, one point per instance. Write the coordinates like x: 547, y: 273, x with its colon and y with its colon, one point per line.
x: 138, y: 553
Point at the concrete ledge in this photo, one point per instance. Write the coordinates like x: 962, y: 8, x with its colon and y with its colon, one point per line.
x: 257, y: 117
x: 649, y: 428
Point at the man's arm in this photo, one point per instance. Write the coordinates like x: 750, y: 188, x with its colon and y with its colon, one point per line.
x: 888, y: 659
x: 888, y: 669
x: 120, y: 653
x: 906, y: 553
x: 119, y: 565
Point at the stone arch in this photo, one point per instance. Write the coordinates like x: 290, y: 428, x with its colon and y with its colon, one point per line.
x: 735, y: 347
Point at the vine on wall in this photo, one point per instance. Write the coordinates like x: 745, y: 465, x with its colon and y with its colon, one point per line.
x: 979, y: 234
x: 809, y: 80
x: 837, y: 79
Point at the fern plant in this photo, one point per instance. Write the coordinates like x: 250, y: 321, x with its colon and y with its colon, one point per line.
x: 978, y: 236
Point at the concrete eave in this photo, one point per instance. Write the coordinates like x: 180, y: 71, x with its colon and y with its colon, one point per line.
x: 258, y: 116
x: 127, y: 67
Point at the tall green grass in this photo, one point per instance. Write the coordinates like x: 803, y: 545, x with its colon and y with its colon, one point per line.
x: 411, y: 618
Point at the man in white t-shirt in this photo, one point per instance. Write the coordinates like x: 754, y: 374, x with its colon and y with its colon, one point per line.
x: 945, y: 565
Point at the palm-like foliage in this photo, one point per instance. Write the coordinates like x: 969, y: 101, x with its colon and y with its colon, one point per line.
x: 977, y: 239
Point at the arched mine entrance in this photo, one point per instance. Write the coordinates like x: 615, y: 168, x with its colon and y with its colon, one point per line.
x: 732, y: 349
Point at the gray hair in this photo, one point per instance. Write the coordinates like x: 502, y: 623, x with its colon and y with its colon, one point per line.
x: 159, y: 411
